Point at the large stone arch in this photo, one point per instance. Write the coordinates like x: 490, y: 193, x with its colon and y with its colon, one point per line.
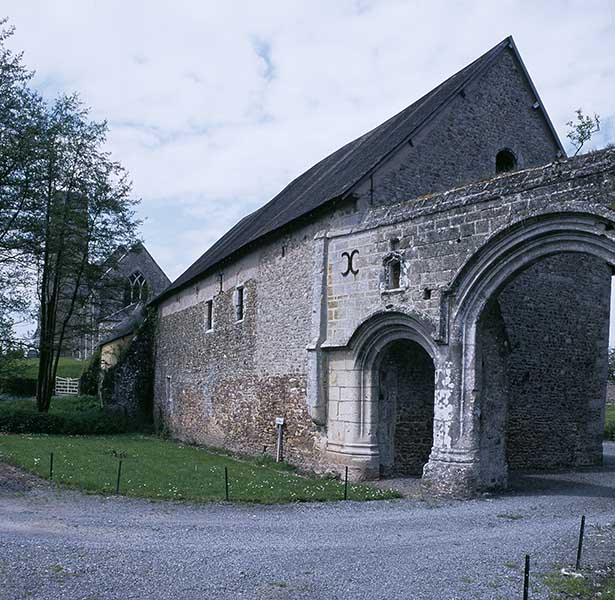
x: 353, y: 395
x: 523, y: 243
x: 505, y: 255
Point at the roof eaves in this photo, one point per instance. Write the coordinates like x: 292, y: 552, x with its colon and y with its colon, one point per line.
x: 172, y: 289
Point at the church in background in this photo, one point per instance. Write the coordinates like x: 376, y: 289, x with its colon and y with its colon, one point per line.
x: 133, y: 279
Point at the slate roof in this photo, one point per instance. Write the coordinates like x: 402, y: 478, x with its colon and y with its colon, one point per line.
x: 336, y: 175
x: 127, y: 325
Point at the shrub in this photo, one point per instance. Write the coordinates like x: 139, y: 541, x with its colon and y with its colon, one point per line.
x: 90, y: 377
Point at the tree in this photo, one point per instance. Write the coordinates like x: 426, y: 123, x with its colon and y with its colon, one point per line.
x: 21, y: 118
x: 65, y: 205
x: 582, y: 130
x: 84, y: 211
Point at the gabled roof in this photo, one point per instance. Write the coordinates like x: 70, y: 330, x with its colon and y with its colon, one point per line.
x: 337, y: 175
x: 122, y: 251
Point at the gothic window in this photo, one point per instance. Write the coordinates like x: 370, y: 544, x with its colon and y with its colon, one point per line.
x: 505, y: 161
x: 136, y: 289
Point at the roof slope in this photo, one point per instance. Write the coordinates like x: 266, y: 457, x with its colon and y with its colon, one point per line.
x: 336, y: 175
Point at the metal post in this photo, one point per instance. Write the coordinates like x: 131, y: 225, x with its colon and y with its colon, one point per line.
x: 580, y: 546
x: 346, y: 485
x: 51, y: 466
x: 226, y: 483
x: 526, y: 578
x: 279, y: 423
x: 119, y: 474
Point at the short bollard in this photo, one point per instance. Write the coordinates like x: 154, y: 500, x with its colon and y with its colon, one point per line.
x: 526, y: 578
x: 226, y: 483
x: 51, y: 466
x: 580, y: 546
x: 119, y: 474
x: 346, y: 485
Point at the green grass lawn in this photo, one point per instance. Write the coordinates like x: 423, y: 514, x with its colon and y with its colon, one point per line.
x: 28, y: 367
x: 159, y: 469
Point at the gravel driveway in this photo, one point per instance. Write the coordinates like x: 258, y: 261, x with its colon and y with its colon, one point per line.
x: 66, y: 545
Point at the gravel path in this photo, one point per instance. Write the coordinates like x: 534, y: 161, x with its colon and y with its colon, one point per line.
x: 58, y: 544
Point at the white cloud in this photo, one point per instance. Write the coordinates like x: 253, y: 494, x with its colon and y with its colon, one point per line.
x: 215, y: 106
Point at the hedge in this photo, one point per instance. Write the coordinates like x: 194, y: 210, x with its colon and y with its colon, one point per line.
x: 86, y: 423
x: 69, y: 415
x: 18, y: 386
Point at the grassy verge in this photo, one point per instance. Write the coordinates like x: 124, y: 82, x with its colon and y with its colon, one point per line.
x: 590, y: 585
x: 609, y: 426
x: 159, y: 469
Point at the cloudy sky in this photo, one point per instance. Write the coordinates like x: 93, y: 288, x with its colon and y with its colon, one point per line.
x: 214, y: 106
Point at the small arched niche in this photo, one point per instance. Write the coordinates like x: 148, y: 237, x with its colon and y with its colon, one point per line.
x: 505, y: 161
x: 393, y: 276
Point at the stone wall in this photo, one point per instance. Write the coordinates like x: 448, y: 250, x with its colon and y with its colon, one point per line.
x: 128, y: 385
x: 439, y: 238
x: 225, y: 387
x: 492, y: 363
x: 436, y: 236
x: 543, y: 368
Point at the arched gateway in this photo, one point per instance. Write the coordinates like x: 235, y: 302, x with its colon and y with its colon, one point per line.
x: 500, y: 390
x: 523, y: 408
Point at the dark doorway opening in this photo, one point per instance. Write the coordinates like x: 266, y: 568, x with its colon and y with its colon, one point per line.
x: 406, y: 382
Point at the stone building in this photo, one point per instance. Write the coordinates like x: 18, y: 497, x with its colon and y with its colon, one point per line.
x: 132, y: 279
x: 431, y: 299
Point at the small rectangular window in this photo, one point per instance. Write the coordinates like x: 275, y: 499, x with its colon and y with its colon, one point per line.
x: 209, y: 315
x: 394, y: 275
x: 239, y: 304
